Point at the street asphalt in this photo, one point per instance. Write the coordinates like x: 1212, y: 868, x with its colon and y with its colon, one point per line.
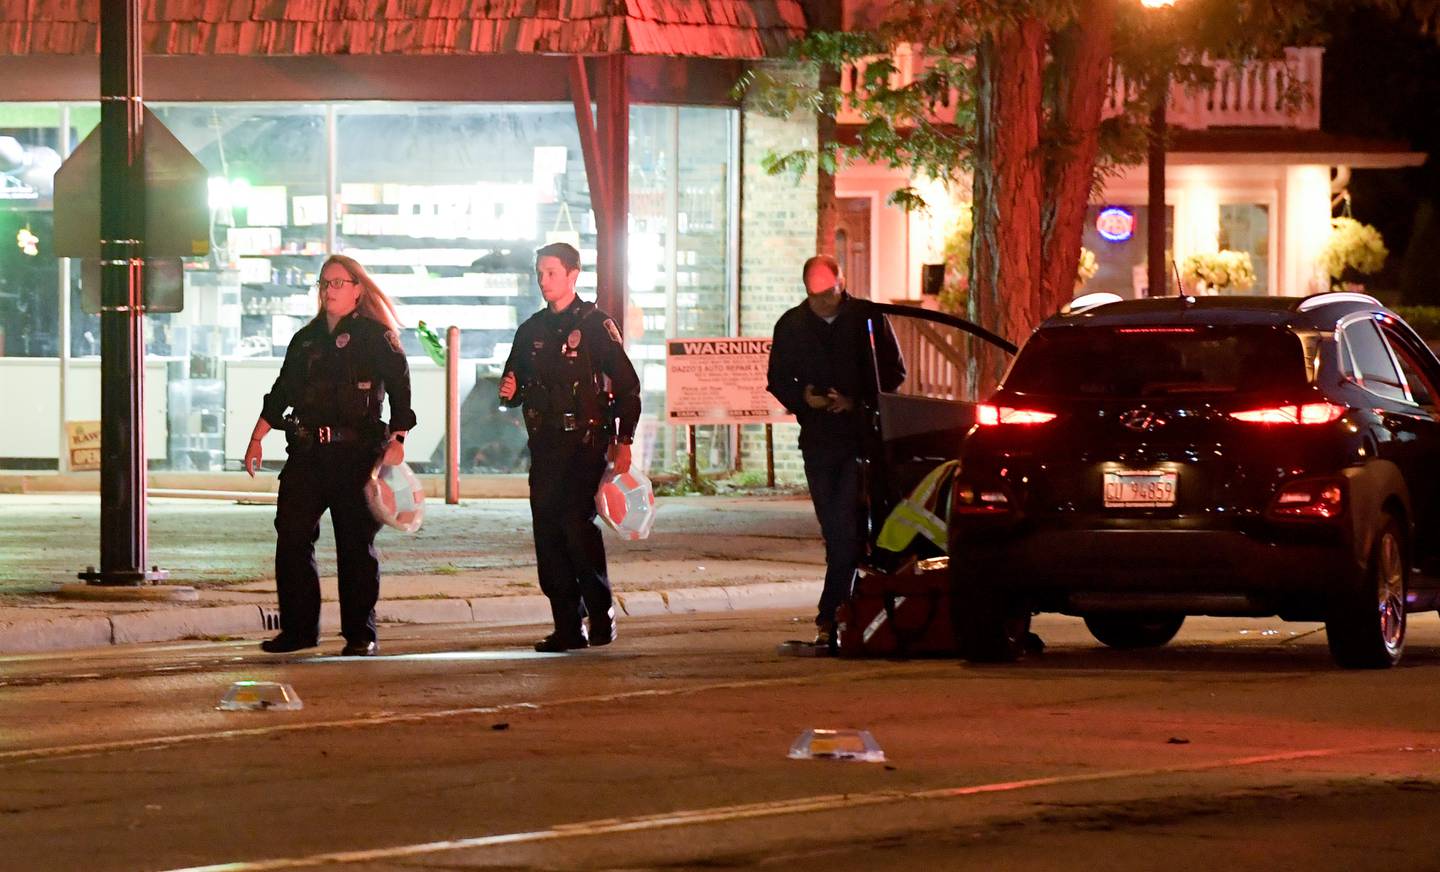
x: 471, y: 562
x: 1239, y: 746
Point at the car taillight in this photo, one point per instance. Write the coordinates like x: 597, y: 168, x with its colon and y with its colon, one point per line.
x: 987, y: 415
x: 1320, y: 500
x: 973, y: 501
x: 1306, y: 413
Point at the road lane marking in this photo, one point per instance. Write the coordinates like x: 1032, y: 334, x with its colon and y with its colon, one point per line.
x: 747, y: 811
x: 499, y: 656
x: 383, y: 718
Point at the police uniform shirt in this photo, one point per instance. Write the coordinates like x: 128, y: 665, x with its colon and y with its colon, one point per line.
x: 338, y: 378
x: 557, y: 359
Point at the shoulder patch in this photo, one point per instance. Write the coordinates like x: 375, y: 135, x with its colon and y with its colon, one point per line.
x: 613, y: 331
x: 394, y: 339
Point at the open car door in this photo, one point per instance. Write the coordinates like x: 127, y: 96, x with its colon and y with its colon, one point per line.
x: 923, y: 422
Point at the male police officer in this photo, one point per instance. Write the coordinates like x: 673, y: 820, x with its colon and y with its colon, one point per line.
x: 820, y: 369
x: 582, y: 402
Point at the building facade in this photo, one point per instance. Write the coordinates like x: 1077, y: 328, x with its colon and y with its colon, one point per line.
x: 439, y: 144
x: 1244, y: 172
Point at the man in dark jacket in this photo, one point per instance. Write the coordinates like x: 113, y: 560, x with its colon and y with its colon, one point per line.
x: 822, y: 370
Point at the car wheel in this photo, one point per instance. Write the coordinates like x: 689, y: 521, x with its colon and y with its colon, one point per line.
x: 1128, y: 631
x: 1366, y: 624
x: 992, y: 626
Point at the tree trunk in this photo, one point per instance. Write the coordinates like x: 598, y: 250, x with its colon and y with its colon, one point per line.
x: 1006, y: 249
x: 827, y: 211
x: 1082, y: 57
x: 825, y: 15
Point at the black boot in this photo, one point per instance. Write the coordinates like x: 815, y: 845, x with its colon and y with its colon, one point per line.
x: 283, y: 644
x: 558, y: 642
x: 602, y: 628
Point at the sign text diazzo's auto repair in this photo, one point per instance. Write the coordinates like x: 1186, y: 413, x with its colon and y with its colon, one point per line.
x: 719, y: 381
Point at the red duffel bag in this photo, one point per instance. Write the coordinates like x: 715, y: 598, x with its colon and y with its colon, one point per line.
x: 905, y: 613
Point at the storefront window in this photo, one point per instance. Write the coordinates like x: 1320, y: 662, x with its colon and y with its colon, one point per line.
x: 445, y: 205
x: 29, y: 276
x: 679, y: 270
x: 1121, y: 247
x: 1246, y: 227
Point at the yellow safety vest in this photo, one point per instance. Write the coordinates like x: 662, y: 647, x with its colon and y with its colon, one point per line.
x: 917, y: 515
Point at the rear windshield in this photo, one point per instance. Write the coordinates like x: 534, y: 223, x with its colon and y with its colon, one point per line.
x: 1157, y: 361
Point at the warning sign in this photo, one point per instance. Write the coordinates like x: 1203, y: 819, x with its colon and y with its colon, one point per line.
x: 719, y: 381
x: 83, y: 439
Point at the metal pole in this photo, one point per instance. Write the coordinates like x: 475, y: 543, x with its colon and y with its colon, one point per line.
x: 63, y: 463
x: 613, y: 133
x: 452, y: 416
x: 332, y: 162
x: 672, y: 244
x: 123, y: 540
x: 1157, y: 275
x: 770, y: 455
x: 732, y: 255
x: 694, y: 465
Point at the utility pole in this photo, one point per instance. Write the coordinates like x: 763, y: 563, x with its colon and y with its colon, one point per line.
x: 123, y: 533
x: 1157, y: 280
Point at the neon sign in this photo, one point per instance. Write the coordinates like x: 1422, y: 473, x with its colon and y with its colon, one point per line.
x: 1115, y: 224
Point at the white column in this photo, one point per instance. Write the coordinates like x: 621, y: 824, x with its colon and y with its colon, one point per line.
x: 1306, y: 226
x: 1197, y: 217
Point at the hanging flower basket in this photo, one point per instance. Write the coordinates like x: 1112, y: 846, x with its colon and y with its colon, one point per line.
x: 1218, y: 272
x: 1353, y: 247
x: 1086, y: 269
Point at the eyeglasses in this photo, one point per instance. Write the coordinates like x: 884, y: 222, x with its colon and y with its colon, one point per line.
x: 322, y: 284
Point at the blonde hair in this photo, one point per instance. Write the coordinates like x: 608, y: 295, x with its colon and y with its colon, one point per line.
x: 373, y: 302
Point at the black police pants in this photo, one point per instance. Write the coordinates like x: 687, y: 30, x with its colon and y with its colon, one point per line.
x: 327, y: 477
x: 565, y: 472
x: 833, y: 473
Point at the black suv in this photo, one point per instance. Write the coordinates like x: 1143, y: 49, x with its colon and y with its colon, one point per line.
x: 1150, y: 459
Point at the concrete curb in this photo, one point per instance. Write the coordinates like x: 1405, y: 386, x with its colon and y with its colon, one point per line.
x: 52, y: 634
x: 173, y: 624
x: 510, y: 611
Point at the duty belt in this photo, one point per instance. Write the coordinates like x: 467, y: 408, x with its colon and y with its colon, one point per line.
x: 323, y: 435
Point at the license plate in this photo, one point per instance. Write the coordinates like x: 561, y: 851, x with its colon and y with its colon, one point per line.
x: 1140, y: 488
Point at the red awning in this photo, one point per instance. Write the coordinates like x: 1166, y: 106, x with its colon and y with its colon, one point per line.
x: 681, y: 28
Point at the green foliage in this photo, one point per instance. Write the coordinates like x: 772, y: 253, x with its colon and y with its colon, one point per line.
x: 678, y: 483
x: 1352, y: 246
x: 928, y: 125
x: 954, y: 296
x: 1088, y: 267
x: 1221, y: 271
x: 749, y: 478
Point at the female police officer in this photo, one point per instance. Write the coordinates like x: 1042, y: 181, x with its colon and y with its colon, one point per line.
x: 336, y: 371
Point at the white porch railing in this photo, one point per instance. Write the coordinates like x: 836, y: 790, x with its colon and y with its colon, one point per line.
x: 909, y: 64
x: 935, y: 359
x: 1243, y: 95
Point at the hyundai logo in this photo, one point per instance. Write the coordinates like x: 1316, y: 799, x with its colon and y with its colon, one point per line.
x: 1142, y: 420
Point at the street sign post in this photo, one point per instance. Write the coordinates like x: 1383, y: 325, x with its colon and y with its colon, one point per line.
x: 102, y: 211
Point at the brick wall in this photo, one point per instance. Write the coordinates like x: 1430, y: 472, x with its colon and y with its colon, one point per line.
x: 777, y: 225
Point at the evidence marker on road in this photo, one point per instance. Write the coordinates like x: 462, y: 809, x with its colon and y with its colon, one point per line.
x: 260, y: 696
x: 818, y: 744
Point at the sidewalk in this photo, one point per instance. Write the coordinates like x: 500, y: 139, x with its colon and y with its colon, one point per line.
x: 471, y: 563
